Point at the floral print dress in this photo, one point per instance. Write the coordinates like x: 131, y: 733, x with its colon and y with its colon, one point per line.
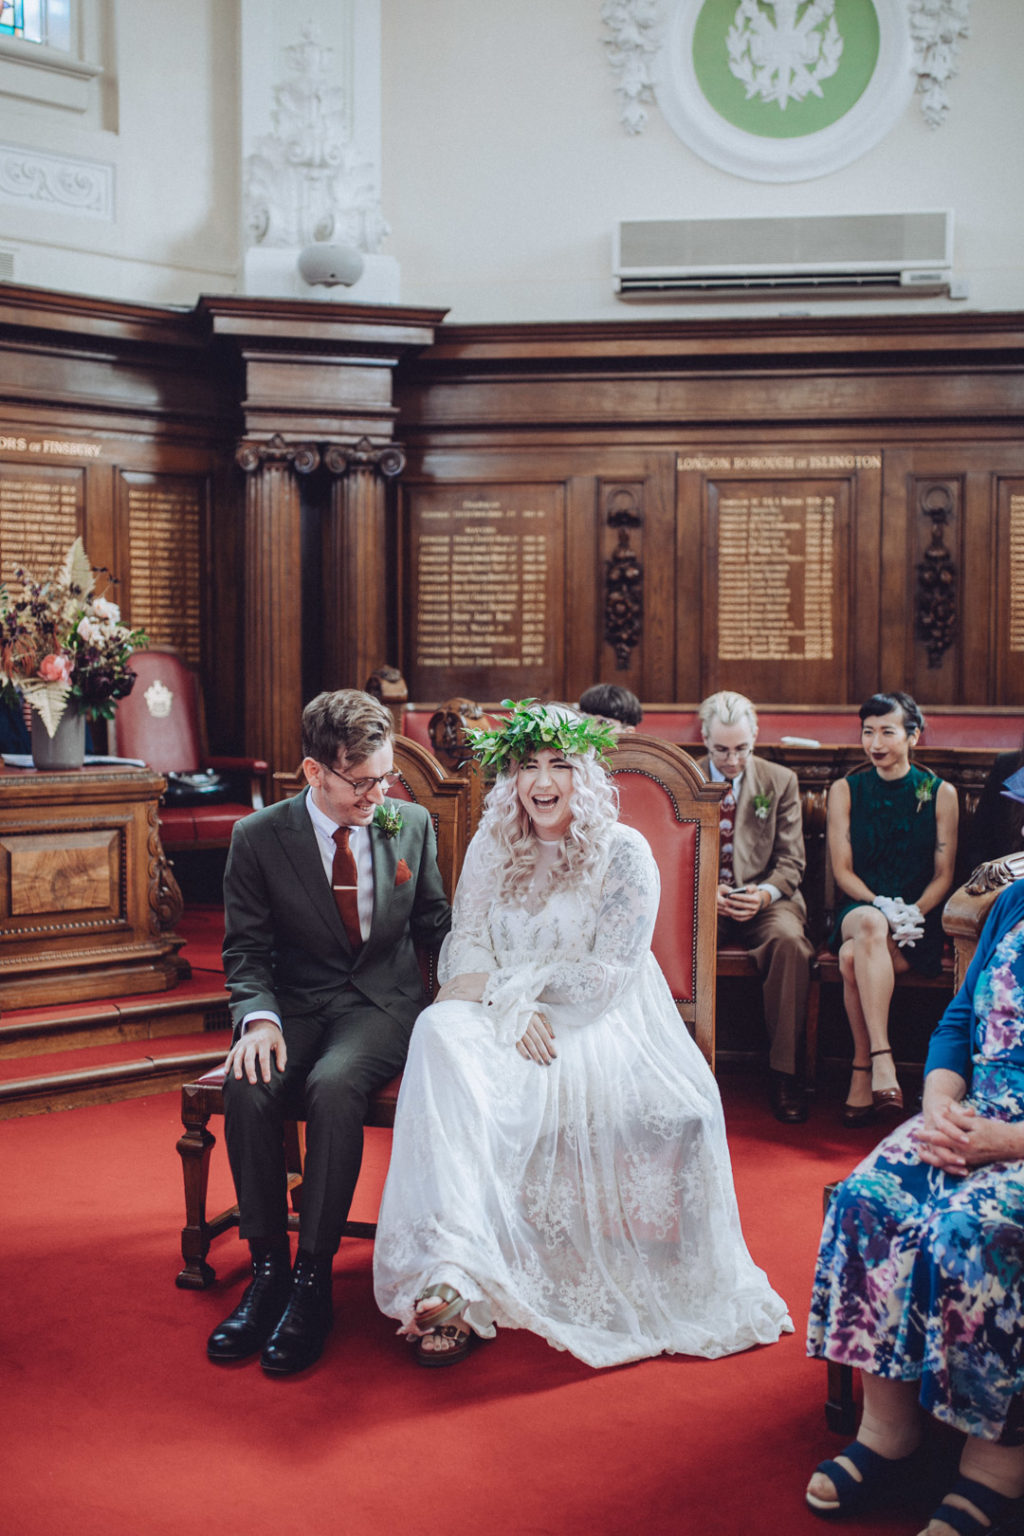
x: 920, y: 1273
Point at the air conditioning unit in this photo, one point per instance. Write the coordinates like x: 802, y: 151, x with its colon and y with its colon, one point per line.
x: 814, y: 254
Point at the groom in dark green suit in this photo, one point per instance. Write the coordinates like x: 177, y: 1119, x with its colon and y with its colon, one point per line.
x: 325, y: 896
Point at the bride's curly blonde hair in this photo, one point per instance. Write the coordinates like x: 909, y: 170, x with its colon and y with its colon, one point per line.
x: 511, y: 847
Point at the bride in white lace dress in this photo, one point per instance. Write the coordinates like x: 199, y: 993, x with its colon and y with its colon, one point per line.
x: 560, y: 1160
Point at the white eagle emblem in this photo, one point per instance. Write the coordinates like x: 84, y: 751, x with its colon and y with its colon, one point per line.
x: 786, y: 55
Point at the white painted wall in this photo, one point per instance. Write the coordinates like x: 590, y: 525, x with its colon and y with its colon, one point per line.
x: 164, y: 116
x: 505, y: 165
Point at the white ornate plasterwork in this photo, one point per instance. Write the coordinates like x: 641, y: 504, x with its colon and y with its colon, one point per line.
x: 61, y: 182
x: 638, y: 27
x: 937, y: 28
x: 304, y: 182
x: 786, y: 56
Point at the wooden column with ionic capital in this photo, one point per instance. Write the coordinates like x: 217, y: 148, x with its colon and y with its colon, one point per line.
x: 273, y: 597
x: 358, y: 584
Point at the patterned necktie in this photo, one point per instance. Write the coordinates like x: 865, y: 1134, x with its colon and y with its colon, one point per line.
x: 344, y: 883
x: 726, y: 822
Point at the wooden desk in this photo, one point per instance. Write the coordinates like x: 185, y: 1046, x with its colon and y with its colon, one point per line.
x: 82, y: 886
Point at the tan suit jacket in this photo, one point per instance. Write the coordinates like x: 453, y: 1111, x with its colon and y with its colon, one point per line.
x: 768, y: 849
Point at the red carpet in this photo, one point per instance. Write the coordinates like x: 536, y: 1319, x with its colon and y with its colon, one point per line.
x: 115, y: 1423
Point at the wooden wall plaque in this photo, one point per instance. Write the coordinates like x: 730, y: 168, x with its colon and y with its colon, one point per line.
x: 1009, y: 604
x: 776, y: 611
x: 486, y: 591
x: 164, y: 516
x: 41, y: 515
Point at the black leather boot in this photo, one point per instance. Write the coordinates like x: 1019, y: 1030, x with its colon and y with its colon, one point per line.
x: 250, y: 1325
x: 308, y: 1317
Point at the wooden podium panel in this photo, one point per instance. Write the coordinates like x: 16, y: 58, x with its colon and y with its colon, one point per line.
x: 80, y: 859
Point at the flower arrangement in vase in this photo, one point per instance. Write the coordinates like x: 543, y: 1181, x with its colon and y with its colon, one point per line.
x: 64, y: 649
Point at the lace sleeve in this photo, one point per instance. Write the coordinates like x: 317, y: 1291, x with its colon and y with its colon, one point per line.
x: 583, y: 989
x: 468, y: 946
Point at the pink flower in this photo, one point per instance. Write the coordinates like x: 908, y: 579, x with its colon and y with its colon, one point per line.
x: 55, y: 669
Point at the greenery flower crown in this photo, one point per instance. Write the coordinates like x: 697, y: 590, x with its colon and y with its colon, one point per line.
x: 532, y: 727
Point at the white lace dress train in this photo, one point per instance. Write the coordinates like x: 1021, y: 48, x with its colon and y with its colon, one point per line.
x: 591, y: 1200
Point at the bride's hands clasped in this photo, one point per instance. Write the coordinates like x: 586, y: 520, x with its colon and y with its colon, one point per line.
x: 537, y: 1042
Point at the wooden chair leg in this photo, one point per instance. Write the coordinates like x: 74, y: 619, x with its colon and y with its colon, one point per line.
x: 840, y: 1409
x: 294, y: 1160
x: 194, y: 1146
x: 811, y: 1032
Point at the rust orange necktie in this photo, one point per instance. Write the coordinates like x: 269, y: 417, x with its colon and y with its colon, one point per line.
x: 344, y: 885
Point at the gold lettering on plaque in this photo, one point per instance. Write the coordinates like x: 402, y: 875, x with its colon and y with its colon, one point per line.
x: 775, y: 563
x: 482, y: 573
x: 164, y: 523
x: 709, y: 463
x: 39, y: 521
x: 1016, y: 637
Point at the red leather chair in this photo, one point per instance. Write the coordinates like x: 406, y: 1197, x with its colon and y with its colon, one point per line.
x: 664, y: 795
x: 161, y: 723
x: 447, y: 797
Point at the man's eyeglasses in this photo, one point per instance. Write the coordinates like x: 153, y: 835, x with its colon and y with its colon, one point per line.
x: 724, y: 752
x: 364, y: 786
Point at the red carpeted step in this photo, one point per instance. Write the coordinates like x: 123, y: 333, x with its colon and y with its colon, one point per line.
x: 114, y: 1053
x: 196, y: 1005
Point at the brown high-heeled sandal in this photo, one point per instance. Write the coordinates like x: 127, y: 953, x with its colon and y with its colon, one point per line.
x: 856, y: 1115
x: 887, y: 1099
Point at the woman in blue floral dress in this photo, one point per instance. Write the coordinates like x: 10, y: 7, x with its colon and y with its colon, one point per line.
x: 920, y: 1274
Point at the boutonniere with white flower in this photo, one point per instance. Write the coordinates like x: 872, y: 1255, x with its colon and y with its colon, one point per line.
x: 763, y: 805
x: 387, y: 820
x: 925, y: 792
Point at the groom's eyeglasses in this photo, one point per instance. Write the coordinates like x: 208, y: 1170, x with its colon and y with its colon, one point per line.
x: 364, y: 786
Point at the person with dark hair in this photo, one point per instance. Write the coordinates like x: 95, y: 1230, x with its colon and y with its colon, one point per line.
x: 892, y: 843
x: 325, y: 896
x: 615, y: 705
x: 920, y: 1273
x: 997, y: 826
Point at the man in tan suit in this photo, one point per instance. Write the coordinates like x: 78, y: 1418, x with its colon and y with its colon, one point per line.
x: 761, y: 864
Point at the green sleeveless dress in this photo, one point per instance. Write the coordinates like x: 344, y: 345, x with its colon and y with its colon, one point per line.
x: 892, y: 833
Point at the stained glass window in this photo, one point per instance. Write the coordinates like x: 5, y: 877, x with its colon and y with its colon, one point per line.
x: 37, y: 21
x: 12, y: 17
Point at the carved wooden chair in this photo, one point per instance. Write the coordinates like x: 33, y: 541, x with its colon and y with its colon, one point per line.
x: 446, y: 797
x: 664, y: 795
x: 161, y: 722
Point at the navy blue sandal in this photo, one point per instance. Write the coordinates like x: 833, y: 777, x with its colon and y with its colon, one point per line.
x: 995, y: 1506
x: 878, y: 1476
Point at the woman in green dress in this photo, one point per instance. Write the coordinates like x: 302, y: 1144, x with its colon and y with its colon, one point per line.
x: 892, y: 843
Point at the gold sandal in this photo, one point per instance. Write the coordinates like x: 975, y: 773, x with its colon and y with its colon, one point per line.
x: 441, y: 1324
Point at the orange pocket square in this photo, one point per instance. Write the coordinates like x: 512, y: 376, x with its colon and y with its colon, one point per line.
x: 402, y: 873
